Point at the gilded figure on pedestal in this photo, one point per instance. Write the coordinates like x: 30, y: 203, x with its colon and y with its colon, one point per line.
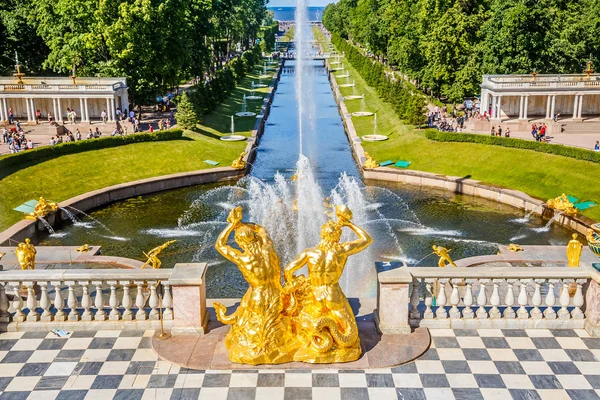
x: 26, y: 253
x: 442, y: 253
x: 574, y: 249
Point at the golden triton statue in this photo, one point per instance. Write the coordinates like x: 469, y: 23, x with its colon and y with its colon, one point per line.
x: 239, y: 163
x: 26, y: 252
x: 152, y: 255
x: 514, y: 247
x: 259, y: 333
x: 370, y: 162
x: 574, y: 249
x: 321, y: 315
x: 42, y: 208
x: 84, y: 248
x: 562, y: 204
x: 442, y: 252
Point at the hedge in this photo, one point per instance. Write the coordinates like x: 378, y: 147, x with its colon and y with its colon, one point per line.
x: 541, y: 147
x: 48, y: 152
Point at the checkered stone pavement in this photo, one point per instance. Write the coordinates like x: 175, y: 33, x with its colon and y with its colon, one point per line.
x: 461, y: 364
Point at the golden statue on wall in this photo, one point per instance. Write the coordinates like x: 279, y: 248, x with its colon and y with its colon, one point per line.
x: 370, y: 162
x: 309, y: 319
x: 442, y: 253
x: 239, y: 163
x: 574, y: 249
x: 562, y: 204
x: 259, y: 333
x: 26, y: 253
x: 42, y: 208
x: 152, y: 255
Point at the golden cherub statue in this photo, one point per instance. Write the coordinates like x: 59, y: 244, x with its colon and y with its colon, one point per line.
x: 442, y: 252
x: 562, y: 204
x: 259, y: 333
x: 84, y: 248
x: 370, y: 162
x: 514, y: 247
x: 574, y: 249
x: 320, y: 312
x: 239, y: 163
x: 42, y: 208
x: 152, y: 255
x: 26, y: 252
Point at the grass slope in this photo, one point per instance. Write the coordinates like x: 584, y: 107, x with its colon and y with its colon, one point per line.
x: 540, y: 175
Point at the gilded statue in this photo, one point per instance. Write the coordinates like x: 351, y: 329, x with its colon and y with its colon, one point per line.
x: 152, y: 255
x: 42, y: 208
x: 26, y: 252
x: 84, y: 248
x: 321, y: 315
x: 562, y: 204
x: 370, y: 162
x: 442, y: 253
x: 259, y: 333
x: 574, y: 249
x: 239, y: 163
x: 514, y: 247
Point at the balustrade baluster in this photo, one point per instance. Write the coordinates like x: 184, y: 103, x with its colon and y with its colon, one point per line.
x: 4, y: 304
x: 455, y: 299
x: 482, y: 299
x: 45, y: 303
x: 578, y: 301
x: 536, y: 300
x: 509, y: 300
x: 564, y: 301
x: 428, y: 314
x: 17, y: 303
x: 414, y: 301
x: 468, y: 300
x: 168, y: 301
x: 33, y: 315
x: 59, y: 302
x: 86, y: 302
x: 441, y: 312
x: 495, y: 300
x: 140, y: 301
x: 523, y: 300
x: 127, y: 313
x: 72, y: 302
x: 99, y: 302
x: 550, y: 300
x: 114, y: 314
x: 153, y: 301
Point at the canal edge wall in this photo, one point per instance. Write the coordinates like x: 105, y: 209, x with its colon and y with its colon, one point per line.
x: 459, y: 185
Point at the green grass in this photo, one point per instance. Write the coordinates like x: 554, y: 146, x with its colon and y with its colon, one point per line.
x: 540, y: 175
x: 71, y: 175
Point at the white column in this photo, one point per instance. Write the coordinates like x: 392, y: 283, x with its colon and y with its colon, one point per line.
x: 493, y: 107
x: 4, y: 105
x: 81, y: 111
x: 525, y: 107
x: 575, y: 104
x: 548, y: 107
x: 54, y: 109
x: 28, y: 109
x: 580, y: 106
x: 2, y: 114
x: 499, y: 111
x: 552, y: 113
x: 32, y: 108
x: 59, y: 106
x: 113, y: 110
x: 87, y: 114
x: 521, y: 107
x: 108, y: 113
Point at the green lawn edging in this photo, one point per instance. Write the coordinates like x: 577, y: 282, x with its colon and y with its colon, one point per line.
x: 45, y: 153
x: 541, y: 147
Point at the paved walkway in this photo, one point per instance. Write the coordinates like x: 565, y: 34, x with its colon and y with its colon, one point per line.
x: 461, y: 364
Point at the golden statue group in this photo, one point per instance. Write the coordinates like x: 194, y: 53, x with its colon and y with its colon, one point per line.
x: 309, y: 318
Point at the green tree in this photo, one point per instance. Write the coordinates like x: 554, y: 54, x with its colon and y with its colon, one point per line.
x: 186, y: 115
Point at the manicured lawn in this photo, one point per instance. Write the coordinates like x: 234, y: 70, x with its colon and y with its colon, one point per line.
x: 537, y: 174
x: 71, y: 175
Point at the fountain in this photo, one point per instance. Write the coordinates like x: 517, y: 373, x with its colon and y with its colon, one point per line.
x: 258, y: 85
x: 374, y: 137
x: 253, y: 96
x: 233, y: 137
x: 244, y: 113
x: 347, y: 84
x: 362, y: 112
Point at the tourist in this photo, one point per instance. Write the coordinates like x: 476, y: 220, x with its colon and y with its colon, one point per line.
x: 131, y: 116
x: 499, y: 131
x: 97, y: 133
x: 52, y: 142
x: 38, y: 116
x: 73, y: 116
x: 115, y: 132
x: 597, y: 146
x: 136, y: 125
x: 160, y: 124
x: 104, y: 116
x: 4, y: 133
x: 11, y: 115
x: 493, y: 131
x: 168, y: 122
x: 90, y: 134
x: 50, y: 117
x: 507, y: 132
x: 118, y: 112
x: 29, y: 144
x: 151, y: 129
x: 71, y: 137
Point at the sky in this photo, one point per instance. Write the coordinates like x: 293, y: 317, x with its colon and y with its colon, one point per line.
x: 292, y: 3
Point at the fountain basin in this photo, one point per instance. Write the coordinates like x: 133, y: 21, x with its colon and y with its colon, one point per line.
x: 374, y: 138
x: 254, y: 97
x: 335, y: 63
x: 352, y: 97
x: 362, y: 114
x: 233, y: 138
x: 260, y: 85
x: 347, y: 85
x: 268, y: 76
x: 343, y: 76
x: 245, y: 114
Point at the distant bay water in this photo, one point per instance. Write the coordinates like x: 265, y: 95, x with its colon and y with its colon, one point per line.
x: 287, y: 13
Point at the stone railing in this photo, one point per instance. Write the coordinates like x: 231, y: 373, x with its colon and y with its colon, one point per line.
x: 88, y: 299
x: 60, y: 88
x: 489, y: 297
x: 567, y: 81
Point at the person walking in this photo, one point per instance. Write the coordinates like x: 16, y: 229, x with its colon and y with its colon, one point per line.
x: 104, y: 116
x: 11, y: 116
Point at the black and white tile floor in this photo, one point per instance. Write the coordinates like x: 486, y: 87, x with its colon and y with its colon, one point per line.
x: 461, y: 364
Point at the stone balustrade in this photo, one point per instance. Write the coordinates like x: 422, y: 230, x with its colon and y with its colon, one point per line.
x: 88, y: 299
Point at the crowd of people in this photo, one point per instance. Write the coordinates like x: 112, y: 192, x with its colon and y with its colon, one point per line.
x: 539, y: 132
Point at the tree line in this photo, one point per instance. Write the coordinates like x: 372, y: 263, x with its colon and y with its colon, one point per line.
x: 446, y: 45
x: 155, y: 44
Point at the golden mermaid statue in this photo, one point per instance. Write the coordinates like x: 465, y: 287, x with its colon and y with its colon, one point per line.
x: 259, y: 333
x: 321, y: 315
